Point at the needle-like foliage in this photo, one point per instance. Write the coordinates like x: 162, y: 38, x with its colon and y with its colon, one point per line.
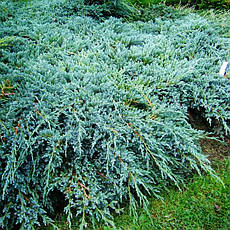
x: 95, y: 113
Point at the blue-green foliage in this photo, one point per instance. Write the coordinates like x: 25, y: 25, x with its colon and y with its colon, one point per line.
x: 99, y: 110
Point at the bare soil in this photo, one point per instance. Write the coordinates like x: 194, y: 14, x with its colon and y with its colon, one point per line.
x: 216, y: 150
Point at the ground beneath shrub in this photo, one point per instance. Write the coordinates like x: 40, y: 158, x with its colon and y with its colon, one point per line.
x: 216, y: 150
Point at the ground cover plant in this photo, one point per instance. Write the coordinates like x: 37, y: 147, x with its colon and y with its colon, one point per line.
x: 96, y: 112
x: 203, y: 204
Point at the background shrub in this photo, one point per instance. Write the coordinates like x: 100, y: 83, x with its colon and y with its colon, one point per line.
x: 202, y: 4
x: 198, y: 4
x: 102, y: 9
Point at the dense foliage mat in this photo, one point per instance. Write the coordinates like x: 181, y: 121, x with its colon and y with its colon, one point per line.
x: 95, y: 113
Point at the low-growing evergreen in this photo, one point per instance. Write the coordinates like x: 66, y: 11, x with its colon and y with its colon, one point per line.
x: 95, y: 113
